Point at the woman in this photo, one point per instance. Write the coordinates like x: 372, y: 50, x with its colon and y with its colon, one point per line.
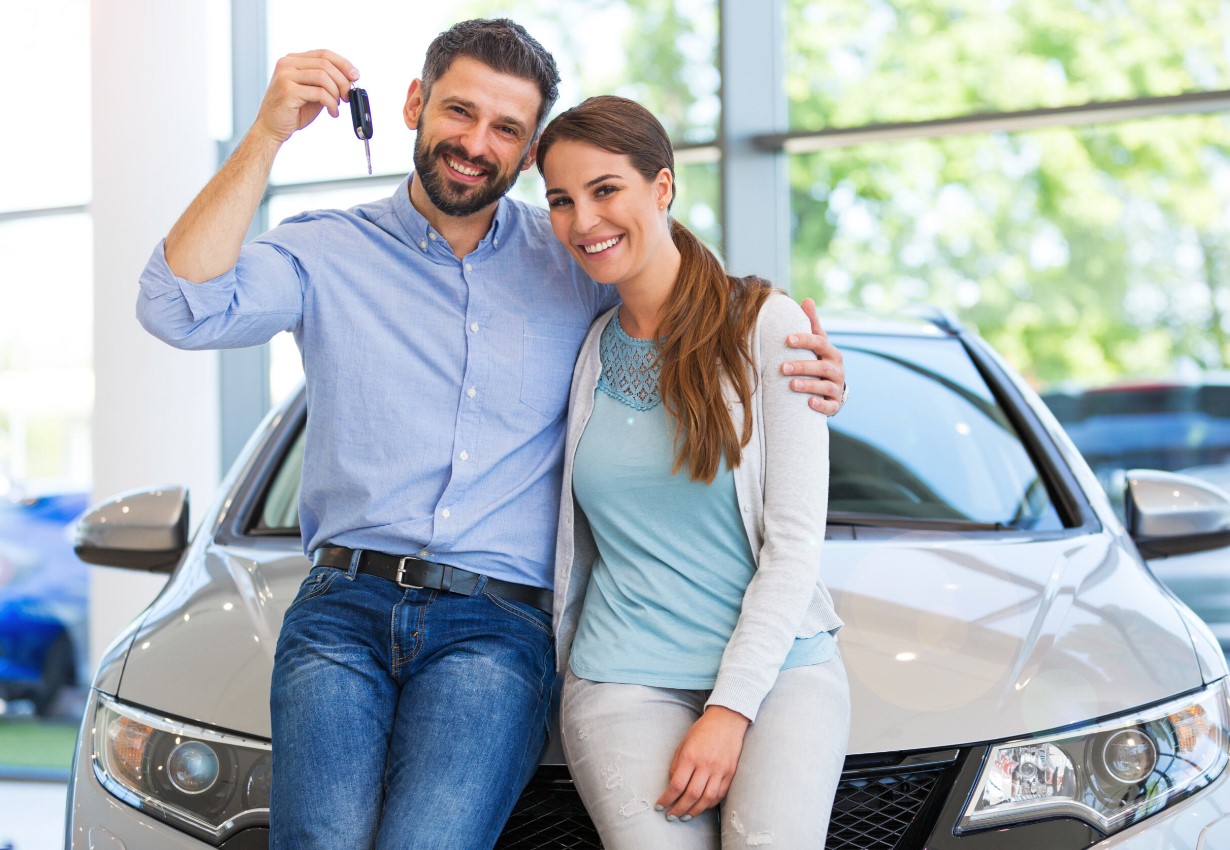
x: 691, y: 624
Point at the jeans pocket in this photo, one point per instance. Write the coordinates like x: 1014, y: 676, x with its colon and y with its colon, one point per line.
x: 522, y: 611
x: 317, y: 584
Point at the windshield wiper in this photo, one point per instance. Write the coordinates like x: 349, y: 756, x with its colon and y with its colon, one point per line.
x: 857, y: 520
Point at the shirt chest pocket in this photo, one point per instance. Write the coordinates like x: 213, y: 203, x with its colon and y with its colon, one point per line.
x: 548, y: 353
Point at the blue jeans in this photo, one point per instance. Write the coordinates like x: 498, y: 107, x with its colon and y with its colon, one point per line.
x: 404, y: 718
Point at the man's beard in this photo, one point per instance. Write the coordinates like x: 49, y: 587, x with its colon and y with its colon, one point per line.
x: 447, y: 197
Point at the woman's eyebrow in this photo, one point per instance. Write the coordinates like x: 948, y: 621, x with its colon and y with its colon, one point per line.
x: 588, y: 185
x: 600, y: 179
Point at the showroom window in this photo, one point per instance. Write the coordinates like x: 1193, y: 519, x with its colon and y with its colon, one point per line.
x: 46, y: 387
x: 1079, y: 252
x: 1056, y: 173
x: 862, y: 62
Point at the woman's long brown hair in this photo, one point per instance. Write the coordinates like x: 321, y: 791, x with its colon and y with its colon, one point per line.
x: 709, y: 315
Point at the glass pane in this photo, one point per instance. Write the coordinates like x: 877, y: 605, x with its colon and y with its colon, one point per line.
x: 661, y: 52
x: 50, y: 43
x: 1079, y: 253
x: 955, y: 457
x: 46, y: 333
x: 46, y: 398
x: 698, y: 201
x: 854, y: 62
x: 279, y: 512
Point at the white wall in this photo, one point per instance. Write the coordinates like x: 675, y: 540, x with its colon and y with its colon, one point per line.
x: 156, y: 417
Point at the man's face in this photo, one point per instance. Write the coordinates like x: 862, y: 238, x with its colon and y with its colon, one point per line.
x: 475, y: 135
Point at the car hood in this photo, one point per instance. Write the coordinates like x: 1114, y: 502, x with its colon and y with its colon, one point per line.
x: 949, y: 640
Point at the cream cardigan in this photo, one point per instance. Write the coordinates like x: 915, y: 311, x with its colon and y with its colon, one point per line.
x: 782, y: 489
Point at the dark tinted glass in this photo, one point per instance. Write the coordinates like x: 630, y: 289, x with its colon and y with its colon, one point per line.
x: 1214, y: 400
x: 923, y: 437
x: 279, y: 512
x: 1119, y: 402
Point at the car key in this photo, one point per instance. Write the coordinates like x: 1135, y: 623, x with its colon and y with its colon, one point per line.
x: 361, y: 117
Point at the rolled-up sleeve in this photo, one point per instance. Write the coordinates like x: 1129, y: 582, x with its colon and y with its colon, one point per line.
x: 261, y: 296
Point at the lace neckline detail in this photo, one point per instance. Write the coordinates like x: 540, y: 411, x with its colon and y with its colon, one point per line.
x: 629, y: 367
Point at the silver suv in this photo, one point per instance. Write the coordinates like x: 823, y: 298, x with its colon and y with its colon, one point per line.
x: 1018, y: 676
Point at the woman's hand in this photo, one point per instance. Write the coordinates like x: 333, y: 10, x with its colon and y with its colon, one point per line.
x: 704, y: 763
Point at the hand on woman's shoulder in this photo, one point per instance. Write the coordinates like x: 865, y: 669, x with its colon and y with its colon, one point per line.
x: 780, y: 315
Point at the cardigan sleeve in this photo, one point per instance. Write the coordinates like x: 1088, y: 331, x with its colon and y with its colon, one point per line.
x: 796, y: 464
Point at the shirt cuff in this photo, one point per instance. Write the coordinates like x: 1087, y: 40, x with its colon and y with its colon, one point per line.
x: 738, y: 695
x: 210, y: 298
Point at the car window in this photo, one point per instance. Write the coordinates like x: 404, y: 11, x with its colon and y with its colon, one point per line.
x: 279, y: 512
x: 923, y: 437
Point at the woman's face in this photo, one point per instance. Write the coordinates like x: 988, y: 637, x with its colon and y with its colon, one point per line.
x: 612, y: 220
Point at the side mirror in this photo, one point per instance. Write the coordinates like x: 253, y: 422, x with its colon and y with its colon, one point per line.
x: 1172, y: 514
x: 139, y: 530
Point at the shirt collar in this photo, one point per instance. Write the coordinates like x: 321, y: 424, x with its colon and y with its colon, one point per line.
x: 424, y: 236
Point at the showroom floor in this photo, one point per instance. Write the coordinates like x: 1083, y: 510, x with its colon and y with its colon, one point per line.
x: 32, y: 815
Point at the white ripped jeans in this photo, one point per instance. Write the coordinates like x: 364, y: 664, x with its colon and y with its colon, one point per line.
x: 620, y: 740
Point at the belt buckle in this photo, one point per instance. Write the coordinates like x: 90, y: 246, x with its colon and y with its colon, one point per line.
x: 401, y: 570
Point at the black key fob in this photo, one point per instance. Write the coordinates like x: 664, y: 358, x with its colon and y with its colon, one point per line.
x: 360, y: 113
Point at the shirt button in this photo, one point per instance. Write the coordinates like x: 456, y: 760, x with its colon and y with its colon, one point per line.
x: 446, y: 513
x: 423, y: 553
x: 464, y: 455
x: 423, y: 244
x: 469, y: 267
x: 471, y: 392
x: 474, y: 327
x: 431, y: 236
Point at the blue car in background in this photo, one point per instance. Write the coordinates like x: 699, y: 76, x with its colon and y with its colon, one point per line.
x: 43, y: 599
x: 1175, y: 426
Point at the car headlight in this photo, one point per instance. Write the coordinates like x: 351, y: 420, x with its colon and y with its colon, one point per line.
x: 1110, y: 774
x: 203, y: 781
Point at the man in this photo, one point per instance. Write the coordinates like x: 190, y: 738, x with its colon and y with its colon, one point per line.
x: 438, y: 329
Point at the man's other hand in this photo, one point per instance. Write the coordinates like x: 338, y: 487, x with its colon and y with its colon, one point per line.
x: 823, y: 378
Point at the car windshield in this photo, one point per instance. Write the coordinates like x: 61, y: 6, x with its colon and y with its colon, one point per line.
x: 922, y: 440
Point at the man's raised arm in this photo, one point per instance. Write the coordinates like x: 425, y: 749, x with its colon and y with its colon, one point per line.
x: 205, y: 242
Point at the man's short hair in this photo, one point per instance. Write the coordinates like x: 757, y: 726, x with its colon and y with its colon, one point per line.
x: 502, y: 45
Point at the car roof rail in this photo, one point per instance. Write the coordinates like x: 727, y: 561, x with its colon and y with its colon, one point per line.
x: 945, y: 320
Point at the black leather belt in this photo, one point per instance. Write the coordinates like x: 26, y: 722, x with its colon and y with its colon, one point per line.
x: 415, y: 573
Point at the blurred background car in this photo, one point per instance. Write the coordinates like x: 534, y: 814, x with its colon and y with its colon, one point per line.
x: 1180, y: 426
x: 43, y: 603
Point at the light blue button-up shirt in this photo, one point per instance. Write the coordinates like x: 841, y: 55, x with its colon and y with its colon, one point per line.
x: 437, y: 388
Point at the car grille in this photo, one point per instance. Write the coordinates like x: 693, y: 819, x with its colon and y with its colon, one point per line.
x: 549, y: 816
x: 873, y: 810
x: 874, y: 813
